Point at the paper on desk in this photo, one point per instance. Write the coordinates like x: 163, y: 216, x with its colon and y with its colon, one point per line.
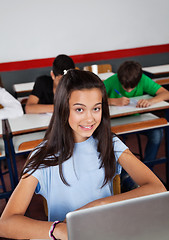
x: 132, y: 104
x: 50, y: 114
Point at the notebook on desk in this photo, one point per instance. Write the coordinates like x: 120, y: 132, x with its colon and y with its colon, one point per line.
x: 144, y: 218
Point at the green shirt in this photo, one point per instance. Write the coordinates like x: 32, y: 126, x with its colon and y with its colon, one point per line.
x: 145, y: 86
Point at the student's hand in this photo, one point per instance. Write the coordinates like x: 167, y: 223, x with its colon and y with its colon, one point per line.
x: 60, y: 231
x: 119, y: 101
x: 143, y: 103
x: 123, y: 101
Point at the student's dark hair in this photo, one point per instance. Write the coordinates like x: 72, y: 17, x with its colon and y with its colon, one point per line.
x: 59, y: 141
x: 62, y: 62
x: 129, y: 74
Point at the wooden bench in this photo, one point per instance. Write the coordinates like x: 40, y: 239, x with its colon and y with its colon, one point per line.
x: 135, y: 123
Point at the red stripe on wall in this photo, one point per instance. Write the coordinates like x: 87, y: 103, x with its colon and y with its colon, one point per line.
x: 90, y: 57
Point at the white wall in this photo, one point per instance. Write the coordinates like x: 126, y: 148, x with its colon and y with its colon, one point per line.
x: 32, y: 29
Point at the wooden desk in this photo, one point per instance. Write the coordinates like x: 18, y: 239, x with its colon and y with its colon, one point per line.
x: 104, y: 76
x: 23, y: 88
x: 28, y: 123
x: 36, y: 122
x: 117, y: 111
x: 139, y: 123
x: 21, y: 135
x: 161, y: 69
x: 135, y: 123
x: 161, y: 81
x: 27, y: 131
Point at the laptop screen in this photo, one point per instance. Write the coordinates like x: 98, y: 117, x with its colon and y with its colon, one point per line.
x: 143, y: 218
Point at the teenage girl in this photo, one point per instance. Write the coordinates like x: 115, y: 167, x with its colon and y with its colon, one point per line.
x: 74, y: 166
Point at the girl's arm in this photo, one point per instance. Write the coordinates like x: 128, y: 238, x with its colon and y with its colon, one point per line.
x: 140, y: 173
x: 13, y: 223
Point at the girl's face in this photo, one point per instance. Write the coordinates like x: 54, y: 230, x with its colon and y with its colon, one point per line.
x: 85, y: 112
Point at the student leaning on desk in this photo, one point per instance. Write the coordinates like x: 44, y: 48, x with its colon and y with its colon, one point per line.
x: 131, y: 82
x: 9, y: 106
x: 74, y: 167
x: 41, y: 98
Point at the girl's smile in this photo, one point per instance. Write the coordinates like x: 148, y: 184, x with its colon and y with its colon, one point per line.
x: 87, y: 127
x: 85, y: 112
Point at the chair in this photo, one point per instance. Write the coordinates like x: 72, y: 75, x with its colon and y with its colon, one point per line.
x: 100, y: 68
x: 117, y: 185
x: 27, y: 142
x: 10, y: 166
x: 16, y: 145
x: 2, y: 166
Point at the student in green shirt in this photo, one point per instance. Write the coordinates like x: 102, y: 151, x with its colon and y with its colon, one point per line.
x: 131, y: 82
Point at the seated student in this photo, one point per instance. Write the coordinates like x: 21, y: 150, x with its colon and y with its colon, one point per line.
x: 75, y: 165
x: 9, y: 106
x: 41, y: 98
x: 131, y: 82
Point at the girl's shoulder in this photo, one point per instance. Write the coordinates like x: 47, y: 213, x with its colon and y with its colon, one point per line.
x: 118, y: 145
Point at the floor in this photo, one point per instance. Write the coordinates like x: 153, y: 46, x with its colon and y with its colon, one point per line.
x: 36, y: 209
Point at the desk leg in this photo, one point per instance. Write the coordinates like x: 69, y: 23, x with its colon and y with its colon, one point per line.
x: 167, y: 149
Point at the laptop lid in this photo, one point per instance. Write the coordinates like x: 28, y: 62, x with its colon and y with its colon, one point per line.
x: 143, y: 218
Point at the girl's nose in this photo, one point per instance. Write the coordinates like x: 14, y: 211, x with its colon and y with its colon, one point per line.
x: 89, y: 117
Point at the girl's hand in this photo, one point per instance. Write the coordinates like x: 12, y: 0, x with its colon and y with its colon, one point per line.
x: 60, y: 231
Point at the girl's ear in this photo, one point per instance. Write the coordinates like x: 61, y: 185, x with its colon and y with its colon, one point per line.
x: 52, y: 75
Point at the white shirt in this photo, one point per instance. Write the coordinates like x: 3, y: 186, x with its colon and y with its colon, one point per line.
x: 11, y: 107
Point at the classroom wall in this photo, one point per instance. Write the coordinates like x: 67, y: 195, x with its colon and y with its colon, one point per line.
x: 41, y: 29
x: 33, y: 29
x: 28, y: 75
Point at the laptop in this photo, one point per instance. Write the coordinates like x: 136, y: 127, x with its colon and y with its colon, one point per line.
x: 142, y: 218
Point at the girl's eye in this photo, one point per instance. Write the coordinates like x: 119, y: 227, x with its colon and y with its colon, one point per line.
x: 97, y: 109
x: 79, y: 110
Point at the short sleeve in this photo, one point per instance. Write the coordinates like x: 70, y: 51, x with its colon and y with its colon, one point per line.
x: 111, y: 83
x: 119, y: 148
x: 37, y: 88
x: 41, y: 175
x: 37, y: 175
x: 149, y: 86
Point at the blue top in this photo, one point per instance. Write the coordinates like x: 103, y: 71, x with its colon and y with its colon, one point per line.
x: 83, y: 174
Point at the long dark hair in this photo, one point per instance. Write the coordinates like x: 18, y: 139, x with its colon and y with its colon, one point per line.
x: 59, y: 143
